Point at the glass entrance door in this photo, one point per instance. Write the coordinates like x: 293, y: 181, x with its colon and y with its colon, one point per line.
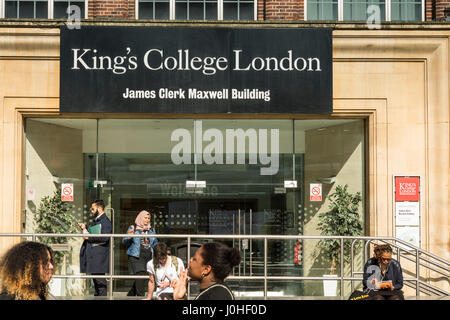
x: 241, y: 165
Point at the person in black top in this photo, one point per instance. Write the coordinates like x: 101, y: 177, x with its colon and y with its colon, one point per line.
x: 25, y: 271
x: 94, y: 253
x: 383, y: 275
x: 210, y: 265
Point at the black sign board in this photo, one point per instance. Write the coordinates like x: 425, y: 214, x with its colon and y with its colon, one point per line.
x: 195, y: 70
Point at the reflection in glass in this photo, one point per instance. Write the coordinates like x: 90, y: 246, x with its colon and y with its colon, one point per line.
x: 406, y: 10
x: 11, y: 9
x: 322, y: 9
x: 26, y: 9
x: 61, y: 6
x: 154, y: 9
x: 238, y: 10
x: 356, y: 10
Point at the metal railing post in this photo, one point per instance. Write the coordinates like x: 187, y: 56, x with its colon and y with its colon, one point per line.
x: 240, y: 240
x: 351, y: 263
x: 342, y: 267
x: 417, y: 273
x: 187, y: 264
x: 265, y: 268
x: 251, y: 243
x: 111, y: 266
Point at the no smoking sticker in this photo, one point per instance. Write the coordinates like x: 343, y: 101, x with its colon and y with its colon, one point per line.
x: 315, y: 192
x: 67, y: 192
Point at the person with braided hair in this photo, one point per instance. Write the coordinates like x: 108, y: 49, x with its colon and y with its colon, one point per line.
x: 210, y: 265
x: 383, y: 275
x: 25, y: 271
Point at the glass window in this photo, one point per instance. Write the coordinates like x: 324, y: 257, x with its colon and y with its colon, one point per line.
x: 356, y: 10
x: 154, y: 9
x: 403, y: 10
x: 322, y: 9
x: 197, y: 9
x: 33, y: 9
x: 11, y: 9
x: 238, y: 10
x: 145, y: 164
x: 60, y: 8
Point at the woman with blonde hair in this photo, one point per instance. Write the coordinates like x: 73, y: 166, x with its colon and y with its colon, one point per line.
x: 25, y: 271
x: 140, y: 251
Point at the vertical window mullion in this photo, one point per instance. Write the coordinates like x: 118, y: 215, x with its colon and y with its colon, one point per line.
x: 340, y: 10
x: 388, y: 10
x: 423, y: 10
x: 136, y: 9
x: 50, y: 6
x: 219, y: 11
x: 305, y: 10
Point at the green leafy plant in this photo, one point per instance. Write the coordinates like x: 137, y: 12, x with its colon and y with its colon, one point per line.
x: 53, y: 216
x: 341, y: 220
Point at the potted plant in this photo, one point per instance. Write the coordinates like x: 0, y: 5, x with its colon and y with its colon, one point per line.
x: 342, y: 219
x: 53, y: 216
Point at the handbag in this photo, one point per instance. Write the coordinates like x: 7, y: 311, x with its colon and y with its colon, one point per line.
x: 359, y: 295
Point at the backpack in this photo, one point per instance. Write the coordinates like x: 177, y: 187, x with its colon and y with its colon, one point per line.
x: 174, y: 262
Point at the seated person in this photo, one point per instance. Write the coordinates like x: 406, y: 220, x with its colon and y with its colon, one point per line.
x: 383, y: 275
x: 162, y: 270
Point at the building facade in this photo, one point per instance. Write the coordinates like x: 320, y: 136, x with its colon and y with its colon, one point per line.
x: 389, y: 118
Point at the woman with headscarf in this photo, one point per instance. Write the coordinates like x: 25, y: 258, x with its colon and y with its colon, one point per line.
x: 140, y: 251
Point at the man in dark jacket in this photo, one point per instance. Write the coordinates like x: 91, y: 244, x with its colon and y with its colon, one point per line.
x: 94, y: 253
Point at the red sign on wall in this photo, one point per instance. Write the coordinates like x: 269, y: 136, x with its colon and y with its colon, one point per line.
x: 67, y: 192
x: 407, y: 189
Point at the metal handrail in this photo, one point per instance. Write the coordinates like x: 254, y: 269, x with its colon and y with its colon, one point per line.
x: 417, y: 251
x: 265, y: 278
